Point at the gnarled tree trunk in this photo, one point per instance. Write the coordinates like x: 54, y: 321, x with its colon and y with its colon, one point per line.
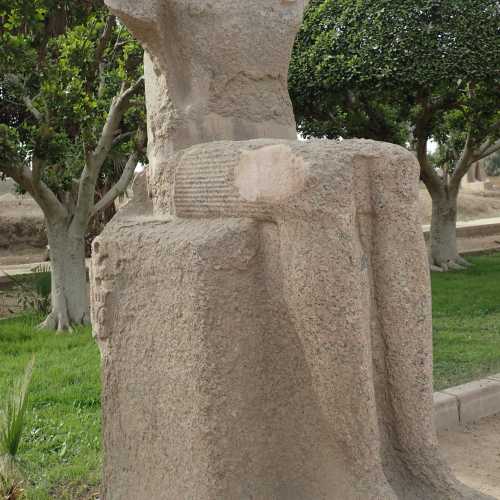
x: 443, y: 235
x: 70, y: 295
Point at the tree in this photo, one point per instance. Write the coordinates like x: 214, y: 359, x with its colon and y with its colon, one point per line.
x: 406, y: 72
x: 71, y: 102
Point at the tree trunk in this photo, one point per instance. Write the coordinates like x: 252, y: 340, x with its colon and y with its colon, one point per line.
x: 443, y: 239
x: 70, y: 295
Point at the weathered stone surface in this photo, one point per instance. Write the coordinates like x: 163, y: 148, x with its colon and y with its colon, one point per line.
x: 216, y: 70
x: 264, y: 319
x: 446, y: 414
x: 281, y: 352
x: 477, y: 399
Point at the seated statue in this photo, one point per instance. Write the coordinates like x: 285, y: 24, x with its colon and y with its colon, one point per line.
x: 263, y: 304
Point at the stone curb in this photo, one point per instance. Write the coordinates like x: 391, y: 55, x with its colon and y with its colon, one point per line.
x: 480, y: 251
x: 473, y: 228
x: 467, y: 403
x: 23, y: 270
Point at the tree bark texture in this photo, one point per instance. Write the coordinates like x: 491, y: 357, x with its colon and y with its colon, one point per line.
x: 70, y: 295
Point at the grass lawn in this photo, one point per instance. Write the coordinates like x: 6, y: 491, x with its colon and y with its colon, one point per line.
x: 60, y: 453
x: 466, y: 320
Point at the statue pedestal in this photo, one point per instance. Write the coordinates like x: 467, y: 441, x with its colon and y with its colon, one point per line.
x: 271, y: 339
x: 207, y: 391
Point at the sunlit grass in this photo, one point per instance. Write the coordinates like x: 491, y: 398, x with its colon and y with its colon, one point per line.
x: 60, y: 452
x: 60, y: 449
x: 466, y: 322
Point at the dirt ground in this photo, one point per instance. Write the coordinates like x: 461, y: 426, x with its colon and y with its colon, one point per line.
x: 473, y: 451
x: 470, y: 206
x: 22, y: 229
x: 22, y: 255
x: 8, y: 305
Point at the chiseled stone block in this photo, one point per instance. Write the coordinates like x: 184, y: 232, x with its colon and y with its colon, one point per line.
x: 477, y: 399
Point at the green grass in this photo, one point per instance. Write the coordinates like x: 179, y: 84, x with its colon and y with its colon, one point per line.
x: 60, y: 451
x: 466, y: 322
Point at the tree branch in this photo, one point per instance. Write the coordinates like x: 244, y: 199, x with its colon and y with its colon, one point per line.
x: 18, y: 174
x: 86, y: 190
x: 487, y: 149
x: 427, y: 173
x: 122, y: 137
x: 30, y: 181
x: 27, y: 101
x: 128, y: 172
x: 117, y: 109
x: 101, y: 48
x: 104, y: 40
x: 36, y: 171
x: 32, y: 109
x: 464, y: 162
x: 95, y: 159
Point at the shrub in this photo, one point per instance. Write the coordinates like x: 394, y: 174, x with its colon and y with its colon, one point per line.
x: 13, y: 412
x: 12, y: 421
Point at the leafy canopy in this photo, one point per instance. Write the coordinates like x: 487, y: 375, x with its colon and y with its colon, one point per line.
x: 57, y: 79
x: 378, y: 68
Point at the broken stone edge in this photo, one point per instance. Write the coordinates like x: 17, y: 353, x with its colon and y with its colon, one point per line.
x: 467, y: 403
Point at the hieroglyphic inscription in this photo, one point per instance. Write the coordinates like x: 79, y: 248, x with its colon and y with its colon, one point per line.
x: 205, y: 187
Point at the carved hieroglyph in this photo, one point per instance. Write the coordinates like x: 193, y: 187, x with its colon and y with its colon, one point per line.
x: 264, y: 317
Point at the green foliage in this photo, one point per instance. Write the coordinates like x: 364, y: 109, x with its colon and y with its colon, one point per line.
x: 31, y: 291
x: 60, y: 454
x: 50, y: 56
x: 375, y: 68
x: 9, y: 143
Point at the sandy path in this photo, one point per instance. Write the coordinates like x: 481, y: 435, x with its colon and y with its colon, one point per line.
x: 473, y: 451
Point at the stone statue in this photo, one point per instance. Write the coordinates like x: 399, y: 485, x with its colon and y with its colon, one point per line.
x: 262, y: 305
